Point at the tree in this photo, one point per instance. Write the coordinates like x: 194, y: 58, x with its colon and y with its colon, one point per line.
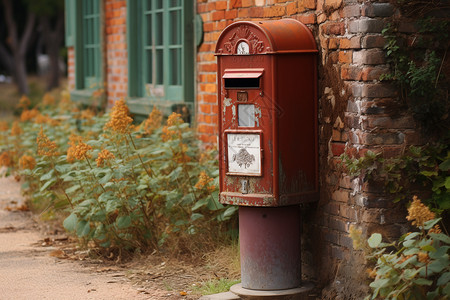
x: 51, y: 22
x: 13, y: 52
x: 20, y: 20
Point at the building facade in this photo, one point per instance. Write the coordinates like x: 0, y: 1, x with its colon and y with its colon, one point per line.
x: 161, y: 53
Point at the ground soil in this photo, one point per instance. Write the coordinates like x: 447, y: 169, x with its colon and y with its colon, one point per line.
x: 39, y: 261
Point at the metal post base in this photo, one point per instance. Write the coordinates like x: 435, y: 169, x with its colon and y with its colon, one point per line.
x: 299, y: 293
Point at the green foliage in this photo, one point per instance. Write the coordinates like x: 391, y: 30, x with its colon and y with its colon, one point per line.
x: 417, y: 70
x: 155, y: 187
x: 216, y: 286
x: 425, y: 168
x: 418, y: 269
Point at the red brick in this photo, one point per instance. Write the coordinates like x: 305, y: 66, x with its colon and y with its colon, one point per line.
x: 221, y: 5
x: 352, y: 43
x: 256, y: 12
x: 291, y: 8
x: 235, y: 3
x: 333, y: 43
x: 306, y: 4
x: 274, y: 11
x: 337, y: 148
x: 231, y: 14
x: 218, y: 15
x: 307, y: 18
x: 248, y: 3
x: 243, y: 13
x: 345, y: 56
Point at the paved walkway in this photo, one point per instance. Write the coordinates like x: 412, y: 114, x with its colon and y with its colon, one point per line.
x: 28, y: 271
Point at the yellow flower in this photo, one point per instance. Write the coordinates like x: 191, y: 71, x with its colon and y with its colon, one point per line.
x: 3, y: 126
x: 48, y: 99
x: 103, y: 156
x: 78, y: 149
x: 372, y: 273
x: 203, y: 181
x: 42, y: 119
x: 15, y: 129
x: 28, y: 114
x: 87, y: 114
x: 169, y: 134
x: 435, y: 229
x: 27, y: 162
x: 119, y: 121
x: 24, y: 102
x: 46, y: 147
x: 153, y: 121
x: 423, y: 257
x: 419, y: 213
x: 5, y: 159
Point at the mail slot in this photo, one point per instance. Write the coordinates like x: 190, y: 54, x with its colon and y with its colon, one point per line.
x: 268, y: 113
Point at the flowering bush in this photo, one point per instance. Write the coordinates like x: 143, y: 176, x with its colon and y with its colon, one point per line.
x: 124, y: 187
x: 419, y: 268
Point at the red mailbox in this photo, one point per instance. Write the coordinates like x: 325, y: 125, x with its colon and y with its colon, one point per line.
x: 268, y: 144
x: 267, y: 113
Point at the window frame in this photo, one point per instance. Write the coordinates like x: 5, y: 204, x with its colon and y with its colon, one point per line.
x: 140, y: 100
x: 86, y: 86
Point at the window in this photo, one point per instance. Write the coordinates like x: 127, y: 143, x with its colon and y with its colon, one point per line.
x: 90, y: 45
x: 160, y: 52
x: 83, y: 29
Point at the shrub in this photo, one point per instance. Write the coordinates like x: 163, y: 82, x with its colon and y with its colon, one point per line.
x: 124, y: 187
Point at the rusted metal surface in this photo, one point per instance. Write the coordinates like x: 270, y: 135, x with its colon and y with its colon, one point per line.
x: 268, y: 113
x: 270, y: 247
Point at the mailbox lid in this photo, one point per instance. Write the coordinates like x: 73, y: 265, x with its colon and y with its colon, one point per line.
x: 267, y: 37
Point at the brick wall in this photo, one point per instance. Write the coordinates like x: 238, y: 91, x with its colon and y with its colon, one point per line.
x: 356, y: 113
x: 115, y: 14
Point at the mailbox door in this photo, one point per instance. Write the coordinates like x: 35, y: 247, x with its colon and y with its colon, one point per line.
x: 246, y: 130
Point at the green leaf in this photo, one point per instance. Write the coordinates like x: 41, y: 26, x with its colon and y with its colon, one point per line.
x: 123, y: 222
x: 411, y: 235
x: 444, y: 278
x: 438, y: 265
x: 105, y: 178
x: 374, y: 240
x: 423, y: 281
x: 70, y: 222
x: 196, y: 216
x: 73, y: 188
x: 199, y: 203
x: 446, y: 290
x: 429, y: 173
x: 428, y: 248
x: 445, y: 165
x: 83, y: 228
x: 447, y: 183
x: 47, y: 175
x: 379, y: 283
x: 430, y: 224
x: 441, y: 237
x: 47, y: 184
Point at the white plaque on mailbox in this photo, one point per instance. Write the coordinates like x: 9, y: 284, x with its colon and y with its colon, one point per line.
x: 244, y: 154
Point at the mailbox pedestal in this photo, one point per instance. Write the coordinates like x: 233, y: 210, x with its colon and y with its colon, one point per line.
x: 268, y: 150
x: 270, y: 247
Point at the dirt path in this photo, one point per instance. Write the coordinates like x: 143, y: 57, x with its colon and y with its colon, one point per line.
x: 28, y: 270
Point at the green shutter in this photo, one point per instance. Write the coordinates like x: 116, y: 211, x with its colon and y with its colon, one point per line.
x: 160, y: 40
x: 91, y: 44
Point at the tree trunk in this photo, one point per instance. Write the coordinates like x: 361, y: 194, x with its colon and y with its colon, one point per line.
x: 53, y: 39
x: 19, y: 46
x: 20, y: 74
